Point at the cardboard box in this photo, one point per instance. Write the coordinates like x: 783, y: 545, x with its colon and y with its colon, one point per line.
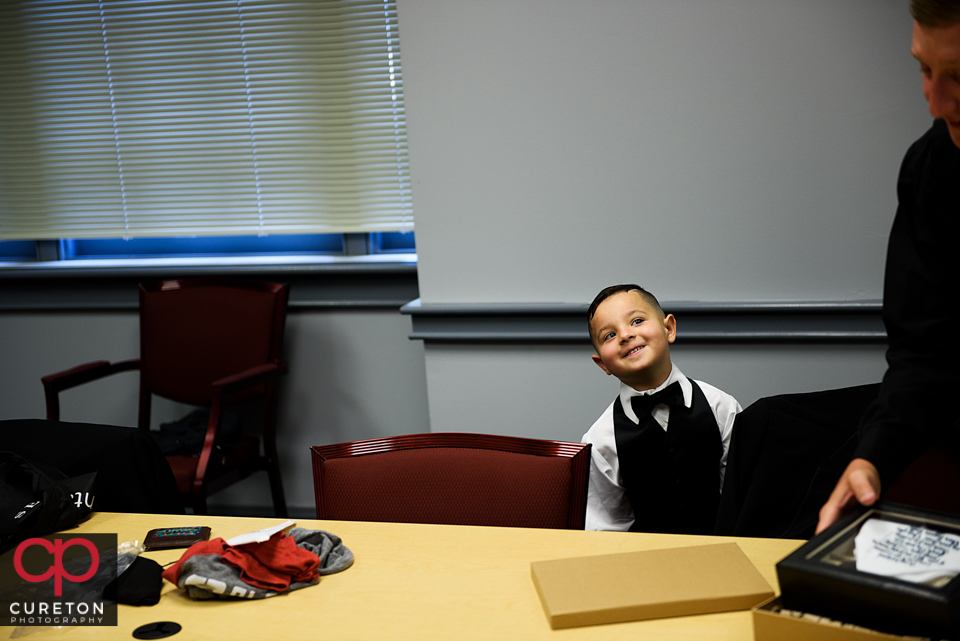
x: 821, y: 578
x: 772, y: 623
x: 631, y: 586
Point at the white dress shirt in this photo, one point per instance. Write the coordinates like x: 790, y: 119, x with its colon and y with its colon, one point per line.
x: 608, y: 506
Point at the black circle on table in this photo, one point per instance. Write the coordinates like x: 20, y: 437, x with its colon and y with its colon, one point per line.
x: 156, y: 630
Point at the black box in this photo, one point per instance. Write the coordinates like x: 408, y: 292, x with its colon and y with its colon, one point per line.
x: 821, y: 578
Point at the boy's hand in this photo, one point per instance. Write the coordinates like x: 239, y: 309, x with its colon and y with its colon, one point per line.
x: 860, y: 482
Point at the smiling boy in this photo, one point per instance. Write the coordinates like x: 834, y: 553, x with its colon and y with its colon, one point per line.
x: 659, y: 450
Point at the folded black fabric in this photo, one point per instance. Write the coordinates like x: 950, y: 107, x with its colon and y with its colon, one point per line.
x: 140, y: 584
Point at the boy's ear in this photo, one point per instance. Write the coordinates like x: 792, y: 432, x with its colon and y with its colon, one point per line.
x: 596, y: 359
x: 670, y: 323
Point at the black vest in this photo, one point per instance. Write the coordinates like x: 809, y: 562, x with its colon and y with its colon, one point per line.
x: 672, y: 477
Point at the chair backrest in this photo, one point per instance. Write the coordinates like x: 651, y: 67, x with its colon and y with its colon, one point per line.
x: 196, y: 331
x: 452, y: 478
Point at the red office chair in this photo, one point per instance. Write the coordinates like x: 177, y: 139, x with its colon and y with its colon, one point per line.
x: 205, y: 341
x: 456, y: 479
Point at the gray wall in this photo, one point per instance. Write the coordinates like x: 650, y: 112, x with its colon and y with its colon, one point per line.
x: 556, y: 392
x: 353, y: 375
x: 713, y: 151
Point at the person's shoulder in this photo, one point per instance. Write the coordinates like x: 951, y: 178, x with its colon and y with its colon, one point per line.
x: 714, y: 394
x: 724, y: 406
x: 927, y: 184
x: 600, y: 426
x: 935, y: 145
x: 707, y: 387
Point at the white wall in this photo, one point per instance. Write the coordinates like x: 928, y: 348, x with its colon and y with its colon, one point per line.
x: 721, y: 150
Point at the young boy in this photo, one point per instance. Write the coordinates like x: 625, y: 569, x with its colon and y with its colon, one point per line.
x: 658, y: 459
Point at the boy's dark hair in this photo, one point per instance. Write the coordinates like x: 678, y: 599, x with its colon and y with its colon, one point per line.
x: 935, y: 13
x: 607, y: 292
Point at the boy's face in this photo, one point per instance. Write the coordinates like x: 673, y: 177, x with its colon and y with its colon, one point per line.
x: 633, y: 340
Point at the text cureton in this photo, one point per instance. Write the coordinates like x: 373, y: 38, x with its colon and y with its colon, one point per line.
x: 55, y: 608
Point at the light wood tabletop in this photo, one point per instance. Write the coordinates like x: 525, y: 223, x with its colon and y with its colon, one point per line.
x: 411, y: 581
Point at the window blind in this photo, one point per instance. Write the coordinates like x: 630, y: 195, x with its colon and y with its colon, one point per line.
x: 139, y: 118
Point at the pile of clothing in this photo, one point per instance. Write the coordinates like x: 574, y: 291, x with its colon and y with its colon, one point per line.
x: 215, y: 569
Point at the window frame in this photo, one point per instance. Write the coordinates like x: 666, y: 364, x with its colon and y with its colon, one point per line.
x: 356, y: 248
x: 354, y: 245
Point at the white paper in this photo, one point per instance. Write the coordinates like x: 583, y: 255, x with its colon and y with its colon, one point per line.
x: 259, y: 536
x: 906, y: 552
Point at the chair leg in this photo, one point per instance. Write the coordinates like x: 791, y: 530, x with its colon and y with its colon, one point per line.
x: 276, y: 489
x: 270, y: 450
x: 198, y: 503
x: 143, y: 414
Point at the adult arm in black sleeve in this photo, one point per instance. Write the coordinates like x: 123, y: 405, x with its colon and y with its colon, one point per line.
x: 916, y: 404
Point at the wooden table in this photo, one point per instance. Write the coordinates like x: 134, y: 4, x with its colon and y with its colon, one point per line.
x: 411, y: 581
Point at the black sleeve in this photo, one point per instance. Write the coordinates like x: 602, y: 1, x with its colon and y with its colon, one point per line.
x: 917, y: 404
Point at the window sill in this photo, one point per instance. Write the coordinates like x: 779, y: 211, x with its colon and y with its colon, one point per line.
x: 218, y: 263
x: 368, y: 281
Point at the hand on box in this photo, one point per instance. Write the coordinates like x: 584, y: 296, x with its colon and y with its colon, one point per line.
x: 860, y: 483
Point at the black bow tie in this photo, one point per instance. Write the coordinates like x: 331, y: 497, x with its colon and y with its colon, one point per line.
x: 670, y: 395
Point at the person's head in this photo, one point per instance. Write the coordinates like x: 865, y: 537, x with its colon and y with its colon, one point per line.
x: 936, y: 45
x: 632, y: 335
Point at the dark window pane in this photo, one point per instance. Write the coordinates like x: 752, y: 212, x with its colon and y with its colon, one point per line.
x: 394, y: 241
x: 204, y: 246
x: 18, y: 249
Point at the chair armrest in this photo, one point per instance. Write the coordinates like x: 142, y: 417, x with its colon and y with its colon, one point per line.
x: 85, y: 373
x: 248, y: 378
x: 225, y: 387
x: 53, y: 384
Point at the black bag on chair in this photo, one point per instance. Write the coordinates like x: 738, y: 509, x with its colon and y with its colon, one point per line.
x: 37, y: 499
